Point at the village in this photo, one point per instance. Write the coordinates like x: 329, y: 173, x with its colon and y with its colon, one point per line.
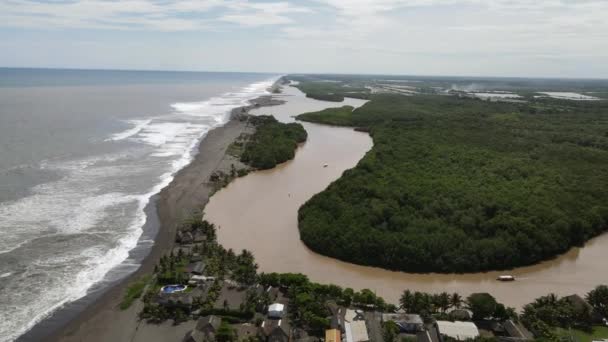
x: 220, y: 295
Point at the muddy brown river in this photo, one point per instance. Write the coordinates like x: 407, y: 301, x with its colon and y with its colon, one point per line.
x: 258, y: 212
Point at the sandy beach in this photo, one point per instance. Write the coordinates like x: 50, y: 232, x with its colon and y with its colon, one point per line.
x: 98, y: 318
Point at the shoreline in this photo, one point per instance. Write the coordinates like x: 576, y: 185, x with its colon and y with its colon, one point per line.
x: 188, y: 193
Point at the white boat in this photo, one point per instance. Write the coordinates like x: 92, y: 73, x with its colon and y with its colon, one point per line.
x: 505, y: 278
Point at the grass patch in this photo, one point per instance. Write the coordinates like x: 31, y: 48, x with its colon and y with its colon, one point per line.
x: 599, y: 333
x: 134, y: 291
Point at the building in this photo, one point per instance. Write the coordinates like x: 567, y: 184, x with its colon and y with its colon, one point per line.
x: 581, y: 305
x: 197, y: 268
x: 460, y: 331
x: 407, y: 323
x: 517, y: 331
x: 276, y: 310
x: 332, y: 335
x: 356, y: 331
x: 205, y: 329
x: 184, y: 237
x: 276, y: 330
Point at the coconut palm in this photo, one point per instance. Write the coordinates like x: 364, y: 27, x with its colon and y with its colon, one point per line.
x: 456, y: 300
x: 406, y: 300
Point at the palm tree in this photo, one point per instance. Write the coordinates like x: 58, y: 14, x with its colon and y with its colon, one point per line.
x: 456, y: 300
x: 443, y: 301
x: 406, y: 300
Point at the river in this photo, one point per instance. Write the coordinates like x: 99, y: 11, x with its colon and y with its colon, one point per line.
x: 258, y: 212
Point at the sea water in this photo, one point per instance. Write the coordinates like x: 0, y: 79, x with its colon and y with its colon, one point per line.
x: 81, y: 154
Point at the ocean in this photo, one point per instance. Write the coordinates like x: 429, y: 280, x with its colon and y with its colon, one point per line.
x: 81, y: 154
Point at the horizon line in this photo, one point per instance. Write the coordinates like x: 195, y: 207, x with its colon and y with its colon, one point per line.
x: 307, y: 73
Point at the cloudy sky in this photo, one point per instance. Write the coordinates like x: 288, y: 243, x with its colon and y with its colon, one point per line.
x: 546, y: 38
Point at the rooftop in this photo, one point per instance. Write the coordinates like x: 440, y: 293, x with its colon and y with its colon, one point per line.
x: 458, y: 330
x: 357, y: 331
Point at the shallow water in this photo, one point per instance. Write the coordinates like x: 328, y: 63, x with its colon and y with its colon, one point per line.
x: 259, y: 213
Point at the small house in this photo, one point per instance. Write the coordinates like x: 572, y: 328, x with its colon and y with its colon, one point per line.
x: 276, y: 330
x: 407, y: 323
x: 276, y: 310
x: 198, y: 237
x: 197, y: 268
x: 205, y: 329
x: 184, y: 237
x: 458, y: 330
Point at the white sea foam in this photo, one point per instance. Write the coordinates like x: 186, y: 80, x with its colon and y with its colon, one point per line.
x: 138, y: 126
x: 90, y: 207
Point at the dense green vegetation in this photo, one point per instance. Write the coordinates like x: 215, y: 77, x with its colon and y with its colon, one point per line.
x: 341, y: 116
x: 331, y: 91
x: 463, y: 185
x: 272, y: 143
x: 598, y: 299
x: 549, y: 312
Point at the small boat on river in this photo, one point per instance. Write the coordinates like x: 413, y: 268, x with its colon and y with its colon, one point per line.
x: 506, y: 278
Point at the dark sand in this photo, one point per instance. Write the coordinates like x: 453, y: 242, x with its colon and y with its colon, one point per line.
x: 187, y: 194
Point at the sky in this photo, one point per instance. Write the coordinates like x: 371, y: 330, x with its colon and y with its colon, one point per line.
x: 525, y: 38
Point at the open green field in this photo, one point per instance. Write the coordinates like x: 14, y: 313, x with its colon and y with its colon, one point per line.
x: 599, y: 333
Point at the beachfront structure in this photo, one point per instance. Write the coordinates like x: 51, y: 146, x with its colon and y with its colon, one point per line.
x: 460, y: 331
x: 407, y: 323
x: 332, y: 335
x: 276, y: 310
x: 205, y: 329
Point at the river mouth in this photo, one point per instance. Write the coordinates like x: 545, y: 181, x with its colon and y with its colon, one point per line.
x: 259, y: 212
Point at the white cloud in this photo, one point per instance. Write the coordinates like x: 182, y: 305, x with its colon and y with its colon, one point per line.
x: 493, y: 37
x: 260, y: 14
x: 142, y: 14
